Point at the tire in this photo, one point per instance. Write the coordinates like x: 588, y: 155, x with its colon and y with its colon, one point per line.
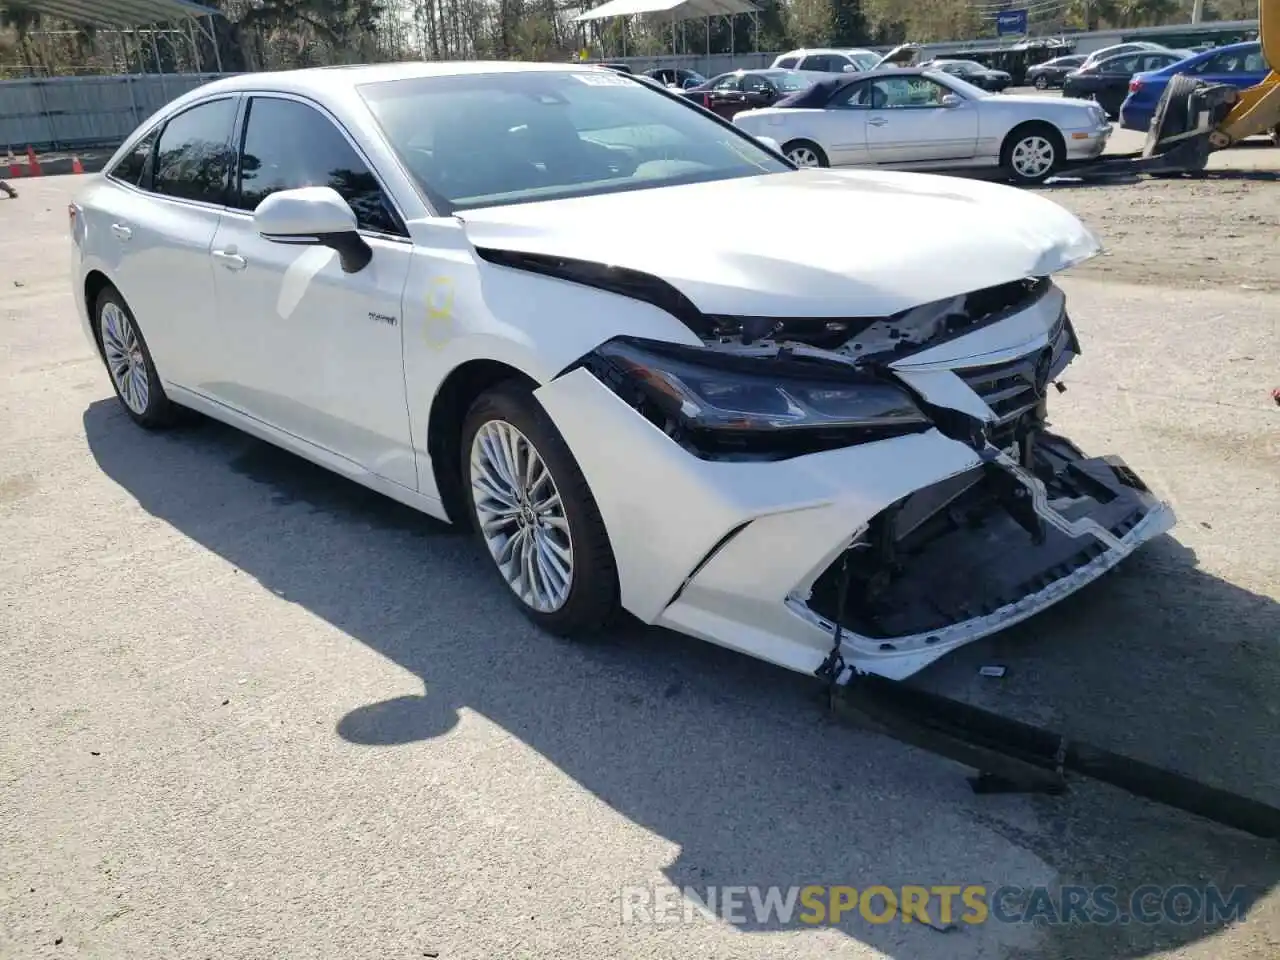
x: 799, y: 148
x: 1275, y: 135
x: 586, y: 600
x: 129, y: 364
x: 1042, y: 82
x: 1172, y: 115
x: 1036, y: 141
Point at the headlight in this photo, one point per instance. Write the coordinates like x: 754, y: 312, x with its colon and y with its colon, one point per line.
x: 720, y: 405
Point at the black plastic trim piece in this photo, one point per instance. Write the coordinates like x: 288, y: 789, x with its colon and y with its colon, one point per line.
x: 620, y: 280
x: 710, y: 555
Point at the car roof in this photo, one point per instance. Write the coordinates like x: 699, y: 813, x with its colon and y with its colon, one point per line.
x: 804, y: 51
x: 348, y: 76
x: 1141, y: 53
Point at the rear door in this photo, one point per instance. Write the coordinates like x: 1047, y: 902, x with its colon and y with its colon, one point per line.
x: 156, y: 227
x: 725, y: 96
x: 758, y: 91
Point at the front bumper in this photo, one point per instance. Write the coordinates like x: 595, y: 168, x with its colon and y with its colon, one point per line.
x: 1087, y: 143
x: 741, y: 553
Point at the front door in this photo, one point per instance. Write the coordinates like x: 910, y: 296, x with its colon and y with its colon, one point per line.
x: 318, y: 352
x: 907, y: 122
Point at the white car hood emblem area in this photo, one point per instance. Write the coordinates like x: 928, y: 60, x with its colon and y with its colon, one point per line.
x: 815, y: 243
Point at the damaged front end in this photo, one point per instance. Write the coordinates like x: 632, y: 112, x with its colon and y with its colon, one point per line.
x: 1030, y: 522
x: 986, y: 548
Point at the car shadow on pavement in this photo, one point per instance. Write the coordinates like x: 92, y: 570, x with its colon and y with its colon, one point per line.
x: 729, y: 759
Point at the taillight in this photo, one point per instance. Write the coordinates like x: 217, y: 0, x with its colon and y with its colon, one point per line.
x: 71, y: 218
x: 706, y: 100
x: 1135, y: 85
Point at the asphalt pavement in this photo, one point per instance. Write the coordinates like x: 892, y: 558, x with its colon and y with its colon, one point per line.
x: 253, y: 710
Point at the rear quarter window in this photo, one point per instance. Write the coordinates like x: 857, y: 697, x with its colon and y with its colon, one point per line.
x: 134, y: 168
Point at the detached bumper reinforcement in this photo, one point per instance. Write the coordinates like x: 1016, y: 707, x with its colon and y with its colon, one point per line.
x: 1011, y: 756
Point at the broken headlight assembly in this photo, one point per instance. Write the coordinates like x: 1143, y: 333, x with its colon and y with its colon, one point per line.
x: 725, y: 406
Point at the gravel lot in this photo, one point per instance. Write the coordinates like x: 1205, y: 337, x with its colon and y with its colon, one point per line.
x: 254, y: 711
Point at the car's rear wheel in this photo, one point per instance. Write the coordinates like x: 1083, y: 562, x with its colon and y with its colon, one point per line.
x: 805, y: 153
x: 1042, y: 82
x: 535, y: 514
x: 1031, y: 153
x: 129, y: 363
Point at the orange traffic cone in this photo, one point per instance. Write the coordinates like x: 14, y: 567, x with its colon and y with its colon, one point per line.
x: 76, y: 165
x: 32, y: 162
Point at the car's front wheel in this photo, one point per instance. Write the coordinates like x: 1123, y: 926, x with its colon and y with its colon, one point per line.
x: 1031, y: 153
x: 805, y: 153
x: 1042, y: 82
x: 536, y: 515
x: 129, y: 363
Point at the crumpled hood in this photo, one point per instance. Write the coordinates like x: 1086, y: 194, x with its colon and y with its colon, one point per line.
x: 805, y: 243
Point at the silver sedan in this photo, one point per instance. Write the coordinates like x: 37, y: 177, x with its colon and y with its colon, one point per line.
x: 918, y: 118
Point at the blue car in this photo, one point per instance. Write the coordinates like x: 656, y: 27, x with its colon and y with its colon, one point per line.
x: 1239, y: 64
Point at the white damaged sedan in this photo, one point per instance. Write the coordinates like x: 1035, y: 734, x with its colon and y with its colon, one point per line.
x: 635, y: 350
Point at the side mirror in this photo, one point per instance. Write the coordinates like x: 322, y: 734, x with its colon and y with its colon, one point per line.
x: 951, y: 100
x: 771, y: 143
x: 314, y: 216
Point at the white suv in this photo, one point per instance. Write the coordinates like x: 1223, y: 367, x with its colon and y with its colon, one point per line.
x: 828, y: 60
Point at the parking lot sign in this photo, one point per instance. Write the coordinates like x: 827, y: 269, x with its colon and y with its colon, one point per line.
x: 1011, y: 22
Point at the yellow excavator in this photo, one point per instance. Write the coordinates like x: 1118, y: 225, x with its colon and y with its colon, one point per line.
x: 1257, y: 109
x: 1195, y: 118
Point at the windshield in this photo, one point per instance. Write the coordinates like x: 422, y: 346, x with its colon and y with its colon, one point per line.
x: 489, y: 139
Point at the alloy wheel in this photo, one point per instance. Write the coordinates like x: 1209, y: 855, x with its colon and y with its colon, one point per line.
x: 521, y: 516
x: 1032, y: 157
x: 125, y: 361
x: 803, y: 157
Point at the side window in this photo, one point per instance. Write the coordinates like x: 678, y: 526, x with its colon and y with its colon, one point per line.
x: 1122, y: 65
x: 787, y: 63
x: 288, y: 144
x: 728, y: 82
x: 194, y: 154
x: 1255, y: 63
x: 856, y: 96
x: 754, y: 83
x: 136, y: 164
x: 896, y: 92
x: 818, y: 62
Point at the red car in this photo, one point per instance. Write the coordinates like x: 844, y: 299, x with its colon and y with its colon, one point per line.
x: 739, y: 90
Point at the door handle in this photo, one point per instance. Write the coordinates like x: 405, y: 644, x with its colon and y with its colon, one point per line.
x: 877, y: 121
x: 230, y: 259
x: 121, y: 231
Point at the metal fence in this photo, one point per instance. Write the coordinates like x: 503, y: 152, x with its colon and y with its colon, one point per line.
x: 64, y: 113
